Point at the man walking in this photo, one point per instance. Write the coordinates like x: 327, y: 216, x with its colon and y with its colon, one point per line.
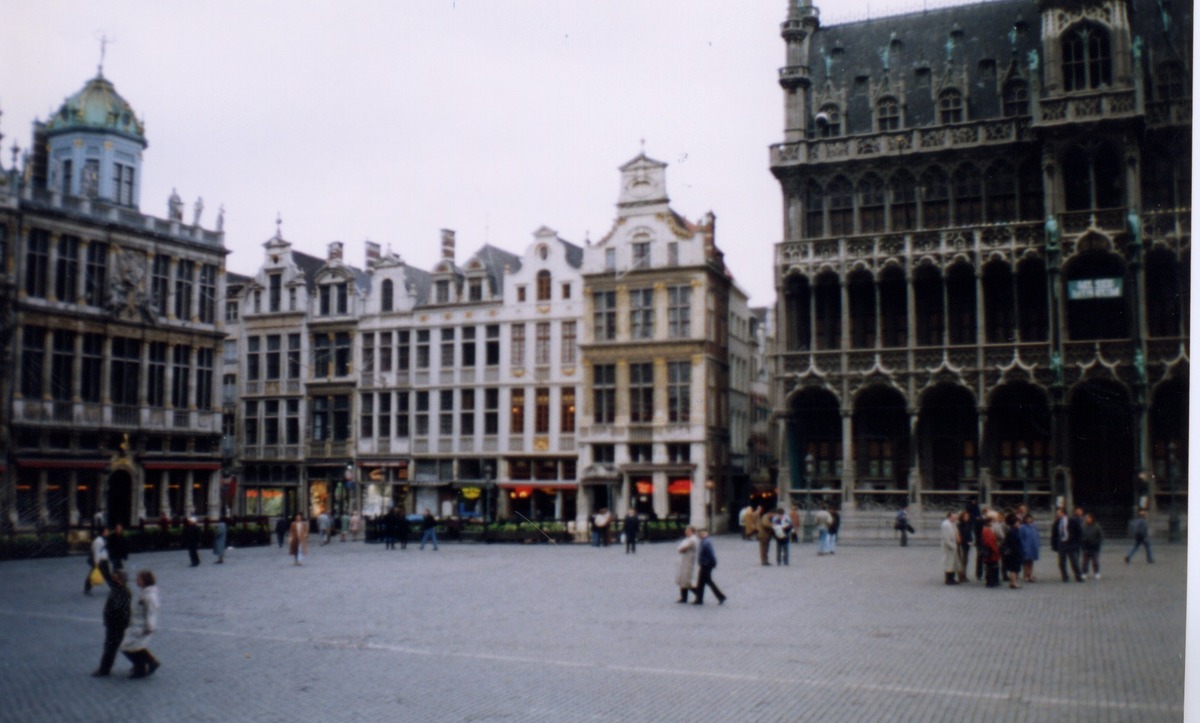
x: 630, y: 530
x: 116, y: 619
x: 1141, y: 536
x: 428, y: 530
x: 823, y: 520
x: 708, y: 563
x: 191, y: 540
x: 1064, y: 539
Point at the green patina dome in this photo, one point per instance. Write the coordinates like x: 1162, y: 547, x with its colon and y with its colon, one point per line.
x: 97, y: 107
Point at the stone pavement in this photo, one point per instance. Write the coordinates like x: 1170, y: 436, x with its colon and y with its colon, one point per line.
x: 558, y: 632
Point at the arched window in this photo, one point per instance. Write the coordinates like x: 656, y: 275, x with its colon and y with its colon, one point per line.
x: 797, y: 302
x: 1092, y: 177
x: 1087, y: 58
x: 827, y: 295
x: 1095, y: 294
x: 936, y: 198
x: 814, y: 211
x: 904, y: 201
x: 386, y: 295
x: 543, y: 285
x: 887, y: 114
x: 893, y: 307
x: 960, y: 300
x: 1000, y: 193
x: 1016, y: 98
x: 872, y: 199
x: 928, y: 299
x: 1163, y: 294
x: 1032, y: 304
x: 998, y: 303
x: 841, y: 207
x: 950, y: 106
x: 861, y: 290
x: 1029, y: 183
x: 968, y: 196
x: 829, y: 121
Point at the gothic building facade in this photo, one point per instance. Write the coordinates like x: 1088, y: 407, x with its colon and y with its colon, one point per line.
x: 111, y: 330
x: 983, y: 283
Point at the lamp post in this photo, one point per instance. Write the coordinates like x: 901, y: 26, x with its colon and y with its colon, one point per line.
x: 808, y: 516
x: 1023, y: 470
x: 1172, y: 475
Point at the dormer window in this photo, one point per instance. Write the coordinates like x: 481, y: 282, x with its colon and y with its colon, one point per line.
x: 520, y: 294
x: 543, y: 286
x: 441, y: 290
x: 887, y: 114
x: 950, y: 106
x: 641, y: 254
x: 275, y: 292
x: 386, y: 295
x: 1087, y: 58
x: 1016, y: 98
x: 475, y: 289
x: 829, y: 121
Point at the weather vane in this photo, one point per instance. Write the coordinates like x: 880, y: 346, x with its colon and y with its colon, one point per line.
x: 104, y: 41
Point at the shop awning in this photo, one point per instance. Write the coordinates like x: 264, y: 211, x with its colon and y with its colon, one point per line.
x: 182, y: 465
x: 63, y: 463
x: 510, y: 485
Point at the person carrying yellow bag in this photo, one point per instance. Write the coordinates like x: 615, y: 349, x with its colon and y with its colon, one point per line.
x: 97, y: 562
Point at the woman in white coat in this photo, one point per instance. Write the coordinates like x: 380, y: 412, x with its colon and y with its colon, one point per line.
x: 950, y: 542
x: 141, y: 627
x: 685, y: 577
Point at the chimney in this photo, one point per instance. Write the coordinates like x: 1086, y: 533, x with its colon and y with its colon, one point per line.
x: 448, y: 245
x: 335, y: 251
x: 373, y: 254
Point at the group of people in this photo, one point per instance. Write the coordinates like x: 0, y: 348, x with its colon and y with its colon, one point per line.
x: 1008, y: 544
x: 783, y: 528
x: 696, y: 553
x: 128, y: 625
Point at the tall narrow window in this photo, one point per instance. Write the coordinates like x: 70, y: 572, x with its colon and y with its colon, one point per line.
x: 446, y: 412
x: 679, y: 392
x: 887, y: 112
x: 641, y: 313
x: 161, y: 283
x: 274, y: 357
x: 341, y: 417
x: 468, y: 347
x: 641, y: 393
x: 516, y: 423
x: 641, y: 254
x: 91, y: 364
x: 274, y: 292
x: 185, y: 276
x: 123, y: 184
x: 1087, y: 60
x: 403, y: 351
x: 829, y: 121
x: 366, y: 415
x: 95, y: 278
x: 156, y: 375
x: 569, y: 342
x: 208, y: 294
x: 341, y: 354
x: 61, y: 365
x: 293, y: 356
x: 447, y: 349
x: 66, y: 272
x: 422, y: 349
x: 421, y: 416
x: 383, y: 425
x: 968, y: 196
x: 466, y: 417
x: 492, y: 345
x: 204, y: 378
x: 950, y: 106
x: 491, y: 411
x: 541, y: 355
x: 33, y: 359
x: 604, y: 315
x: 37, y: 263
x: 1000, y: 188
x: 936, y: 205
x: 543, y: 285
x: 679, y: 312
x: 841, y: 208
x: 402, y: 428
x: 367, y: 366
x: 517, y: 354
x: 321, y: 354
x: 567, y: 416
x: 541, y: 410
x: 903, y: 188
x: 384, y: 354
x: 1016, y: 98
x: 385, y: 295
x: 604, y: 393
x: 181, y: 371
x: 872, y: 195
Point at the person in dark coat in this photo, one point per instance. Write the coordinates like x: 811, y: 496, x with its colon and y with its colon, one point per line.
x: 118, y: 547
x: 387, y: 529
x: 116, y: 619
x: 1065, y: 538
x: 281, y: 529
x: 191, y: 540
x: 429, y: 530
x: 1010, y: 551
x: 977, y: 523
x: 630, y: 530
x: 403, y: 528
x: 708, y: 563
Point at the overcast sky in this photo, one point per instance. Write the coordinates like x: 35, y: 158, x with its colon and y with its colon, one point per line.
x: 388, y: 121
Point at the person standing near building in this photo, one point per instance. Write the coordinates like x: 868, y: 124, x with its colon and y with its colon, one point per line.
x: 989, y: 552
x: 144, y: 622
x: 191, y: 540
x: 708, y: 563
x: 387, y: 529
x: 823, y: 520
x: 794, y: 516
x: 966, y: 530
x: 950, y: 540
x: 402, y: 530
x: 97, y: 559
x: 782, y: 529
x: 323, y: 524
x: 281, y: 529
x: 118, y: 547
x: 743, y: 516
x: 1091, y: 540
x: 1030, y: 547
x: 630, y: 530
x: 765, y: 532
x: 685, y: 573
x: 220, y: 537
x: 1140, y: 530
x: 1011, y: 551
x: 603, y: 520
x: 428, y: 529
x: 834, y: 528
x: 977, y: 523
x: 298, y: 539
x: 1064, y: 539
x: 903, y: 525
x: 116, y: 620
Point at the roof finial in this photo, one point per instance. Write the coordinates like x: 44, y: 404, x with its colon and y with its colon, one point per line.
x: 104, y: 41
x: 643, y: 142
x: 278, y: 229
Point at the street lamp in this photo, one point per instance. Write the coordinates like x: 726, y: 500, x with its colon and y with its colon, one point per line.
x: 1023, y: 471
x: 809, y: 462
x: 1172, y: 475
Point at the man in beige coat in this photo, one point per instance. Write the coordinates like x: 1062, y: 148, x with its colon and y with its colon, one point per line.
x: 685, y: 575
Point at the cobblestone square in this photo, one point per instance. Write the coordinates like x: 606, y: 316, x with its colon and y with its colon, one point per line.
x: 569, y: 632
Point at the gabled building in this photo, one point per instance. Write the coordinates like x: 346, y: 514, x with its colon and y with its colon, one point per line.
x: 983, y: 283
x: 112, y: 327
x: 654, y: 428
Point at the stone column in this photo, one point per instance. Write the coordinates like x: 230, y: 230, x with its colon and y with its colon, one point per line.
x: 914, y: 472
x: 848, y: 470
